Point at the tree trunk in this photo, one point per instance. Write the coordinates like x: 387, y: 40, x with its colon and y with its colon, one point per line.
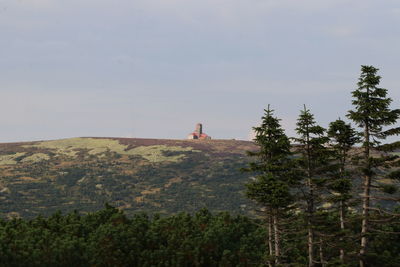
x: 321, y: 253
x: 310, y: 204
x: 310, y: 239
x: 342, y: 208
x: 277, y: 239
x: 365, y: 220
x: 310, y: 215
x: 366, y: 198
x: 270, y: 239
x: 341, y: 215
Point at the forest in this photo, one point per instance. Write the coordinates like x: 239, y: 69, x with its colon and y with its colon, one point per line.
x: 315, y: 180
x: 110, y: 238
x: 310, y: 209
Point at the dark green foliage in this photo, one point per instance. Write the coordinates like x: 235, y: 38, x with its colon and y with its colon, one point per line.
x: 372, y: 113
x: 314, y: 163
x: 342, y: 139
x: 395, y: 175
x: 372, y: 107
x: 388, y: 188
x: 272, y: 165
x: 342, y: 135
x: 109, y: 238
x: 314, y: 157
x: 384, y: 248
x: 271, y: 188
x: 312, y: 143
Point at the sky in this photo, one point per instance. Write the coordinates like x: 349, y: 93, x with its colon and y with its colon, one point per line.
x: 155, y: 68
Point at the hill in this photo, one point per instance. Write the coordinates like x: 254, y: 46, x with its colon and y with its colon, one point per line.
x: 152, y: 175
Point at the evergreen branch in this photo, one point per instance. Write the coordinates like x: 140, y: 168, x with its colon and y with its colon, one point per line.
x: 380, y: 211
x: 389, y: 147
x: 384, y: 232
x: 384, y: 198
x: 386, y: 220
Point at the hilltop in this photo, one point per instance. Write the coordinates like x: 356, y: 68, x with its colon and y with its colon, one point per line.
x: 152, y: 175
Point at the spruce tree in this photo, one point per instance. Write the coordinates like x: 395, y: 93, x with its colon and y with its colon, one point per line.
x: 271, y: 186
x: 342, y: 139
x: 314, y: 155
x: 371, y: 113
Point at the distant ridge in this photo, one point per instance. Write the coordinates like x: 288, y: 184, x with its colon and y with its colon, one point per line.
x: 134, y: 174
x: 163, y: 176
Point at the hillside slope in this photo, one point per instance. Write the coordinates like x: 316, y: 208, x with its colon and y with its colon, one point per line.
x: 152, y: 175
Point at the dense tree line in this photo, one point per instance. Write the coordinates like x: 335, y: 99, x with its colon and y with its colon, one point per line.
x: 314, y: 180
x: 110, y: 238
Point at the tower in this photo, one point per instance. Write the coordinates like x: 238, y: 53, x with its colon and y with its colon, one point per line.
x: 199, y: 129
x: 198, y: 133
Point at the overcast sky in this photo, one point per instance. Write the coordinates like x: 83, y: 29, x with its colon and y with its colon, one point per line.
x: 154, y: 68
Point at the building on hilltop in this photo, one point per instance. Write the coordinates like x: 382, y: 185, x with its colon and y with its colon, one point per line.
x: 198, y: 133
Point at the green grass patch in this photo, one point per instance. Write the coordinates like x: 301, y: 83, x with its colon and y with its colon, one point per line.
x: 10, y: 159
x: 96, y: 146
x: 36, y: 158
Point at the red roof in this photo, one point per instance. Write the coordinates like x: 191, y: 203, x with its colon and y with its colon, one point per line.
x: 199, y: 136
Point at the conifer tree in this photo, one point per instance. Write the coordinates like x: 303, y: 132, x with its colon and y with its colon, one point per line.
x: 271, y: 186
x: 342, y: 138
x: 371, y: 113
x: 311, y: 144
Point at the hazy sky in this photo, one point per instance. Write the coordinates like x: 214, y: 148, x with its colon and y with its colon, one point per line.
x: 154, y: 68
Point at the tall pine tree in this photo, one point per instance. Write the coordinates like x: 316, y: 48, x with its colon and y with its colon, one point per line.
x: 311, y: 145
x: 271, y: 186
x: 342, y: 138
x: 371, y: 113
